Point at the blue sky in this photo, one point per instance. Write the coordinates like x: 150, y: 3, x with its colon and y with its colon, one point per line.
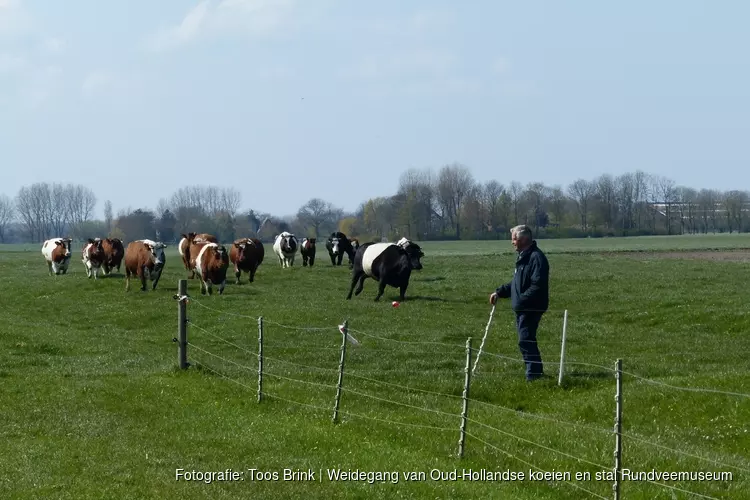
x: 289, y: 99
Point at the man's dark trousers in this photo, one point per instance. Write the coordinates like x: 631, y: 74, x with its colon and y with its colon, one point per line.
x: 527, y: 324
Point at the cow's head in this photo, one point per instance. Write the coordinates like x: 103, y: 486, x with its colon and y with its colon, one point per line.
x: 354, y: 242
x: 241, y: 246
x: 335, y: 245
x: 64, y: 243
x: 219, y: 253
x: 157, y: 252
x: 413, y: 252
x: 288, y: 243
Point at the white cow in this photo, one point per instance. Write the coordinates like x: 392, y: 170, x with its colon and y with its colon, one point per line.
x: 285, y: 248
x: 56, y: 252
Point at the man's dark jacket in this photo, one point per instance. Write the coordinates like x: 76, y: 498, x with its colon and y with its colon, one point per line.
x: 529, y: 289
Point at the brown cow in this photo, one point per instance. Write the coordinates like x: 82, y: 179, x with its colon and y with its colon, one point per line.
x: 246, y: 254
x: 114, y: 251
x: 145, y: 259
x: 56, y: 252
x: 209, y: 261
x: 307, y: 250
x: 184, y: 248
x: 92, y: 256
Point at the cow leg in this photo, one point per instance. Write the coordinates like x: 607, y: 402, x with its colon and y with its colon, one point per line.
x: 361, y: 284
x: 221, y: 287
x: 210, y: 287
x: 49, y: 266
x: 312, y: 260
x: 339, y: 259
x: 304, y: 261
x: 142, y: 276
x: 156, y: 281
x: 252, y: 273
x: 127, y: 279
x: 381, y: 290
x: 402, y: 296
x: 355, y: 278
x: 237, y: 274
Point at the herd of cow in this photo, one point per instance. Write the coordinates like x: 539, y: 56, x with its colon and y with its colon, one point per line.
x: 390, y: 264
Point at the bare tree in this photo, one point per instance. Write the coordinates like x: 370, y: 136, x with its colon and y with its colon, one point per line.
x: 454, y: 184
x: 640, y: 195
x: 537, y: 194
x: 668, y: 193
x: 80, y: 202
x: 558, y: 201
x: 108, y: 215
x: 582, y: 192
x: 491, y: 196
x: 316, y: 214
x: 516, y: 193
x: 7, y: 215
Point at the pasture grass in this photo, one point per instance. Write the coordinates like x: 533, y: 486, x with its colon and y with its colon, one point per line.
x: 94, y: 406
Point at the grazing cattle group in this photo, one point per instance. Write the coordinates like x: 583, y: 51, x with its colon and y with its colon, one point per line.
x: 390, y: 264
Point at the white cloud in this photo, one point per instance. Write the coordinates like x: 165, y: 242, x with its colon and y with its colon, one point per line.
x: 54, y: 45
x: 420, y: 62
x: 95, y: 80
x: 11, y: 63
x: 500, y: 66
x: 211, y: 18
x: 422, y: 22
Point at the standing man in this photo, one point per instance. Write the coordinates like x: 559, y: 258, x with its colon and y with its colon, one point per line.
x: 529, y: 296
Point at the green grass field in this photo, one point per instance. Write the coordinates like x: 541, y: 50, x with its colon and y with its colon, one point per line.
x: 94, y: 406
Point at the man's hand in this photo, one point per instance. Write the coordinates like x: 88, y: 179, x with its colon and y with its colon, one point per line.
x: 493, y: 298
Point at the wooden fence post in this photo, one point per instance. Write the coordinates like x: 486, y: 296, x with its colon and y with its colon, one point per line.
x: 260, y: 358
x: 618, y: 429
x: 465, y: 409
x: 344, y: 332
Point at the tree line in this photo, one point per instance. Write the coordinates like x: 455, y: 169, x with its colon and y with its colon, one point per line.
x: 448, y: 203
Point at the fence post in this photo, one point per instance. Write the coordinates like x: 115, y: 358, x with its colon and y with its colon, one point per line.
x: 344, y: 332
x: 618, y: 429
x: 562, y: 347
x: 260, y: 358
x: 465, y: 409
x: 182, y: 324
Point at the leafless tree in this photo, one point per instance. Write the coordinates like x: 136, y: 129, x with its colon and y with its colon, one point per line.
x: 108, y: 215
x: 454, y: 184
x: 317, y: 214
x: 582, y: 192
x: 7, y: 215
x: 668, y: 194
x: 80, y: 202
x: 516, y: 193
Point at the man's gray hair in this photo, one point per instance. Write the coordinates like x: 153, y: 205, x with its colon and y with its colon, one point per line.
x: 521, y: 230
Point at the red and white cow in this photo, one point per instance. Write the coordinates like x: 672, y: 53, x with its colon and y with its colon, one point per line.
x: 93, y: 257
x: 184, y: 248
x: 210, y: 264
x: 146, y: 260
x: 56, y: 252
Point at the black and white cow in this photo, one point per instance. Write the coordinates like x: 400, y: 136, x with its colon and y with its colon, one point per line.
x: 338, y: 245
x: 387, y: 263
x: 285, y: 248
